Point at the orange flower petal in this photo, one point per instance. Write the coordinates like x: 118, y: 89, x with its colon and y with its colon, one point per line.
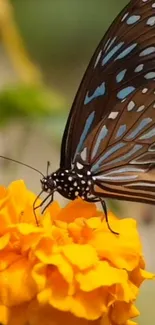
x: 122, y: 311
x: 47, y: 315
x: 71, y: 269
x: 16, y: 283
x: 77, y: 209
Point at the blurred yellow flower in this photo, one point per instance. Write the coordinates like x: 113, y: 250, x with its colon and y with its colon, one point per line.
x: 71, y: 269
x: 14, y: 45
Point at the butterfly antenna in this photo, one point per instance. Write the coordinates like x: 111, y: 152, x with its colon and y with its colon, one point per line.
x: 48, y: 166
x: 20, y: 163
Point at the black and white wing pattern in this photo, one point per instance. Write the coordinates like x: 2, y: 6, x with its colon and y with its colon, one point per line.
x: 121, y: 67
x: 121, y: 149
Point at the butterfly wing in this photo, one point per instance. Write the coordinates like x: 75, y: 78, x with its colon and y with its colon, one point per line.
x: 122, y: 149
x: 123, y: 61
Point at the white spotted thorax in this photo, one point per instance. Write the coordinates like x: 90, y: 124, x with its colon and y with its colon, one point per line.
x: 69, y: 183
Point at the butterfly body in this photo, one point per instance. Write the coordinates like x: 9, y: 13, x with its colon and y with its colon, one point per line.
x: 70, y: 183
x: 108, y: 146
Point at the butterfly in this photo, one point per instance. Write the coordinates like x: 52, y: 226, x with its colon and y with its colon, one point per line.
x: 108, y: 146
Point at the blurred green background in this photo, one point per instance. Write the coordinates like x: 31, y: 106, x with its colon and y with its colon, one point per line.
x: 44, y: 50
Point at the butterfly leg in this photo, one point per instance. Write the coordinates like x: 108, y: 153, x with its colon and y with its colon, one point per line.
x: 47, y: 205
x: 38, y: 206
x: 96, y: 199
x: 106, y: 216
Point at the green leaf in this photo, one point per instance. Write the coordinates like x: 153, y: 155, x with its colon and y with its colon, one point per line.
x: 29, y: 102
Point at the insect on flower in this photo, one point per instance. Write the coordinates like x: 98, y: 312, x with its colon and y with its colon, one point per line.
x: 108, y: 146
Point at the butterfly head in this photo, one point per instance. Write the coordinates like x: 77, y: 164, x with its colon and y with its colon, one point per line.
x: 48, y: 184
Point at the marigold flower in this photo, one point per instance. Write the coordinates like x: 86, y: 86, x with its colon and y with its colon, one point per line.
x: 69, y: 270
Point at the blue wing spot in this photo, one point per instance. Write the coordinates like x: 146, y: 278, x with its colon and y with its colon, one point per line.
x: 147, y: 51
x: 151, y: 21
x: 148, y: 135
x: 125, y: 92
x: 121, y: 75
x: 127, y: 51
x: 126, y: 156
x: 100, y: 91
x: 116, y: 178
x: 139, y: 68
x: 150, y: 75
x: 125, y: 170
x: 133, y: 19
x: 111, y: 53
x: 107, y: 154
x: 114, y: 174
x: 121, y: 131
x: 139, y: 128
x: 86, y: 129
x: 103, y: 133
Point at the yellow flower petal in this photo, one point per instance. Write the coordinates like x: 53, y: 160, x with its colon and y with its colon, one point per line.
x: 61, y: 263
x: 4, y: 241
x: 39, y: 274
x: 4, y: 314
x: 130, y: 322
x: 16, y: 283
x: 81, y: 256
x: 71, y: 269
x: 89, y: 305
x: 93, y: 278
x: 126, y: 245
